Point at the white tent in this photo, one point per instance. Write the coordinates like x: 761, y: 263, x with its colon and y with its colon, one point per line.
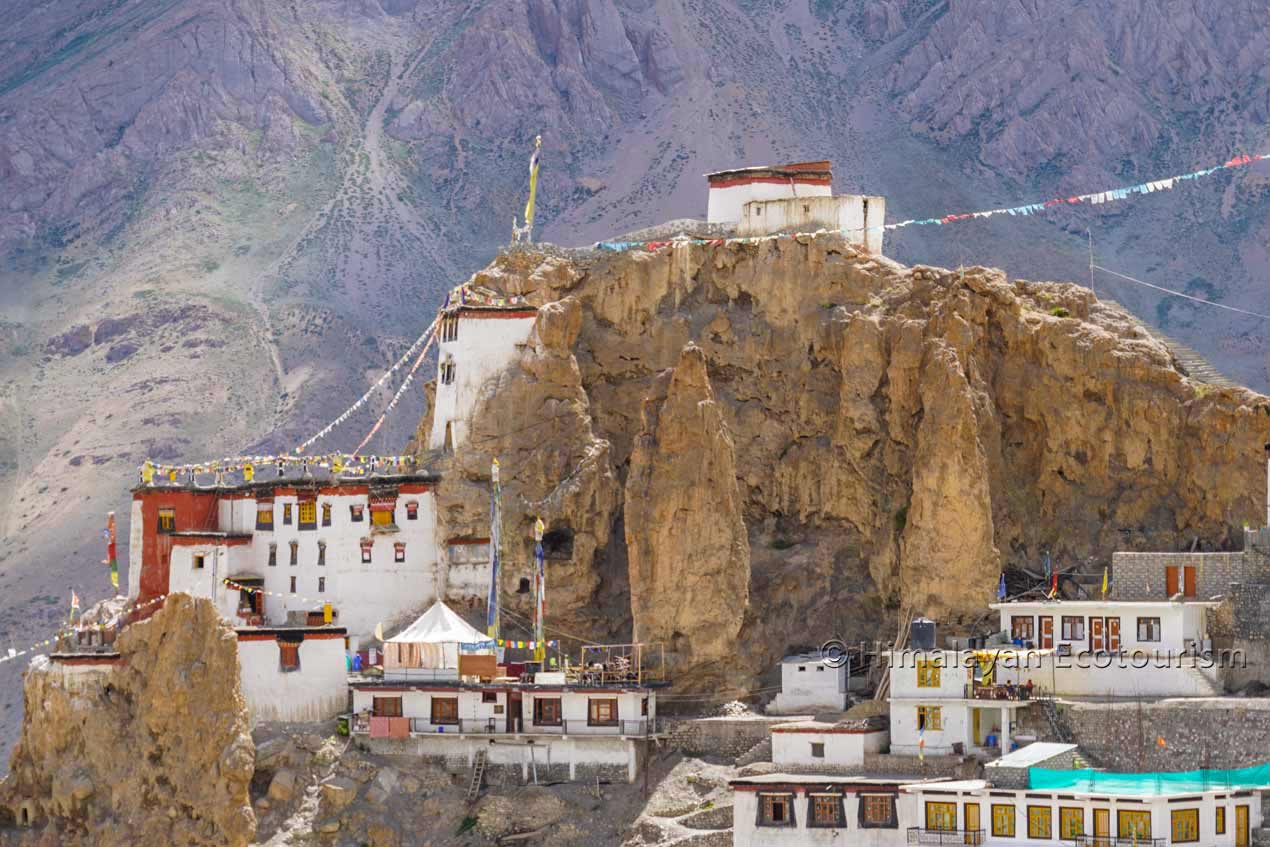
x: 433, y: 640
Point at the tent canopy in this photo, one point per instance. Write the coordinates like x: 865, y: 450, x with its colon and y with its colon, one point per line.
x: 439, y: 625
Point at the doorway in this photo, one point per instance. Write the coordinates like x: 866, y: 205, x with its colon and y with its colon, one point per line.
x: 1047, y: 632
x: 972, y: 824
x: 1241, y: 826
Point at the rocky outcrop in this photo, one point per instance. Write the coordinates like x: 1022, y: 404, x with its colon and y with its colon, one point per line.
x: 685, y: 537
x: 150, y: 749
x: 800, y: 440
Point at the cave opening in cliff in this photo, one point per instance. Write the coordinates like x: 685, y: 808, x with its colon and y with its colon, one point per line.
x: 558, y: 543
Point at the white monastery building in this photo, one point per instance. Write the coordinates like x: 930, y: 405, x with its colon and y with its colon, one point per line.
x: 825, y: 746
x: 810, y: 682
x: 475, y: 344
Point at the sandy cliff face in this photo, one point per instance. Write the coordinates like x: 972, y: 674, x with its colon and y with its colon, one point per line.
x: 152, y: 750
x: 794, y: 440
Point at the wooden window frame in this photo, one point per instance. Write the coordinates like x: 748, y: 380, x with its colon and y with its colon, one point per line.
x: 1065, y: 815
x: 412, y: 511
x: 928, y: 673
x: 826, y: 811
x: 356, y: 512
x: 1036, y: 814
x: 1158, y: 627
x: 557, y: 707
x: 326, y: 514
x: 367, y: 553
x: 199, y: 562
x: 1191, y: 815
x: 399, y: 552
x: 308, y: 514
x: 386, y: 707
x: 767, y: 805
x: 940, y: 806
x: 321, y: 554
x: 166, y: 521
x: 264, y: 517
x: 817, y: 749
x: 489, y: 696
x: 286, y: 514
x: 273, y: 555
x: 870, y: 807
x: 295, y: 553
x: 592, y: 719
x: 382, y: 517
x: 1219, y: 819
x: 1003, y: 826
x: 448, y: 715
x: 1138, y: 814
x: 288, y: 656
x: 293, y: 584
x: 931, y: 718
x: 1030, y: 620
x: 1072, y: 628
x: 321, y: 585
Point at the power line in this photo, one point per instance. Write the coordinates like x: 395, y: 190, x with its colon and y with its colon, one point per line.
x: 1180, y: 294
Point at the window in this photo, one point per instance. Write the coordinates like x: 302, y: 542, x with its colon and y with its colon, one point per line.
x: 1073, y: 628
x: 1023, y: 627
x: 941, y: 816
x: 321, y: 585
x: 1071, y: 823
x: 308, y: 515
x: 273, y: 555
x: 366, y: 548
x: 450, y: 328
x: 264, y: 516
x: 826, y: 810
x: 412, y: 511
x: 292, y: 585
x: 601, y: 712
x: 355, y: 512
x: 321, y: 553
x: 523, y: 586
x: 1148, y: 629
x: 295, y: 553
x: 1134, y: 824
x: 386, y: 707
x: 489, y: 696
x: 1003, y: 820
x: 1185, y: 825
x: 445, y: 710
x: 286, y: 514
x: 1221, y: 820
x: 930, y: 717
x: 817, y: 749
x: 399, y: 552
x: 928, y: 673
x: 447, y: 372
x: 167, y: 520
x: 776, y: 810
x: 326, y: 514
x: 289, y: 655
x: 198, y: 563
x: 643, y: 707
x: 381, y: 517
x: 877, y: 811
x: 1040, y: 822
x: 547, y: 711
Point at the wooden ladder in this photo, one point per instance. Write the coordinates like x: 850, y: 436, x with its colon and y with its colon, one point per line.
x: 478, y: 774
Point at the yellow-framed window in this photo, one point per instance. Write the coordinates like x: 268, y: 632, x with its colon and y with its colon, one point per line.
x: 1003, y: 820
x: 308, y: 512
x: 928, y: 673
x: 1040, y: 822
x: 1185, y: 825
x: 1132, y: 824
x: 930, y: 717
x: 941, y: 816
x: 1220, y: 820
x: 381, y: 517
x: 167, y: 520
x: 1071, y: 823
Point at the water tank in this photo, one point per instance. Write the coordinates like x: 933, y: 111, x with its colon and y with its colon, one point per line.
x: 922, y: 634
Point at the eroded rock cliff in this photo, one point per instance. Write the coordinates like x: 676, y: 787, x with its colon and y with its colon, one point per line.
x: 151, y: 749
x: 757, y: 447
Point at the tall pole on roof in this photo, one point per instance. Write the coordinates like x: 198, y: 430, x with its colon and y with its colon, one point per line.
x: 495, y: 543
x: 540, y: 593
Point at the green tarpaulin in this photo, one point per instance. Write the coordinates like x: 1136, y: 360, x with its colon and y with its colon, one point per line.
x: 1150, y: 784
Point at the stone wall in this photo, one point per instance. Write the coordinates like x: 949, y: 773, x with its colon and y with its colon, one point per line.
x: 729, y: 738
x: 1141, y: 576
x: 1218, y: 733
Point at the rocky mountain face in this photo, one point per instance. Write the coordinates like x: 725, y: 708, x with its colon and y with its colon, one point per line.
x: 765, y: 446
x: 222, y: 219
x: 153, y: 750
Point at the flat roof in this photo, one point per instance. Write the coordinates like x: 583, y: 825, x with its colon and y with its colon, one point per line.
x: 312, y: 483
x: 1026, y: 757
x: 949, y: 785
x: 846, y: 726
x: 1135, y: 604
x: 822, y: 166
x: 814, y: 779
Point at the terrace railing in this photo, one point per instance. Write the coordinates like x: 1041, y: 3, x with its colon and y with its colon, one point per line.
x: 948, y: 837
x: 1117, y: 841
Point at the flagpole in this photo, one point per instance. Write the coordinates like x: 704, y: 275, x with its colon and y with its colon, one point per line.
x: 495, y: 542
x: 540, y: 593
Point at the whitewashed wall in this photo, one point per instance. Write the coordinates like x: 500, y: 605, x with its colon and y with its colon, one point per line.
x: 811, y: 684
x: 859, y: 218
x: 315, y: 692
x: 725, y: 205
x: 842, y: 749
x: 1178, y: 622
x: 485, y: 346
x: 745, y: 832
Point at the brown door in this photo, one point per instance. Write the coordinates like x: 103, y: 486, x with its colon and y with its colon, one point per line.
x: 1047, y: 632
x: 1241, y: 826
x: 1170, y: 580
x: 1113, y: 635
x: 1102, y: 826
x: 1096, y: 643
x: 513, y: 711
x: 1188, y: 582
